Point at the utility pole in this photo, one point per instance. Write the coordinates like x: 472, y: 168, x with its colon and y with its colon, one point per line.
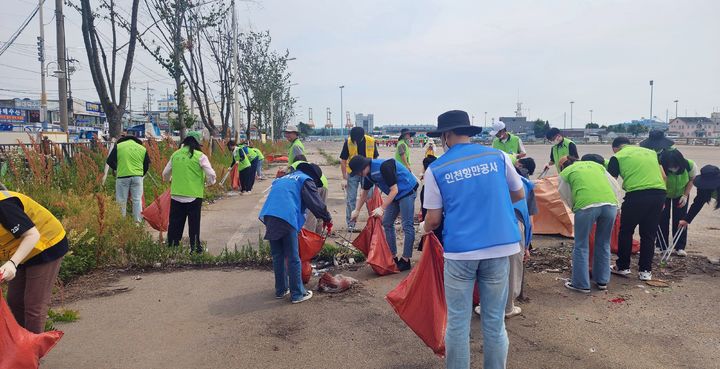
x: 62, y: 77
x: 236, y: 102
x: 651, y: 98
x: 676, y: 105
x: 272, y: 118
x: 590, y: 116
x: 130, y: 90
x: 41, y: 58
x: 571, y: 113
x: 485, y: 121
x: 69, y: 70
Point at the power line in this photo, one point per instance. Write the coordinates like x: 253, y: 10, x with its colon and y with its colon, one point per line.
x: 21, y: 29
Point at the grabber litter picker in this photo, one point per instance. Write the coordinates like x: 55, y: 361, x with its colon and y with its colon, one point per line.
x: 676, y: 238
x: 544, y: 172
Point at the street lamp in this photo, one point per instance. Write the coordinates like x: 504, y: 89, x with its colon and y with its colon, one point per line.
x: 342, y: 127
x: 485, y: 122
x: 651, y: 98
x: 590, y: 116
x: 571, y: 113
x: 676, y: 105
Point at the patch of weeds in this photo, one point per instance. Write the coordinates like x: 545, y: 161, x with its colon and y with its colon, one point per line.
x: 331, y: 252
x: 329, y: 158
x: 60, y: 316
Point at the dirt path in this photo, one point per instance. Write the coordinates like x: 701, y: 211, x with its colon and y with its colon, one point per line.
x: 228, y: 318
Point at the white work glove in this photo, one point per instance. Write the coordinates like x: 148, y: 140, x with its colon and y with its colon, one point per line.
x: 683, y: 201
x: 378, y: 212
x: 423, y: 231
x: 354, y: 214
x: 343, y: 186
x: 7, y: 271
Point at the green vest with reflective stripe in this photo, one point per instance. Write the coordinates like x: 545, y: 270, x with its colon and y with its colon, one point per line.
x: 559, y: 152
x: 188, y: 178
x: 291, y: 150
x: 676, y: 182
x: 243, y: 163
x: 258, y: 153
x: 130, y: 159
x: 639, y: 169
x: 399, y: 158
x: 589, y: 184
x: 323, y: 179
x: 252, y: 154
x: 511, y: 146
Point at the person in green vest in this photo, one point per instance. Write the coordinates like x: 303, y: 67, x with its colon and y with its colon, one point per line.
x: 260, y: 160
x: 130, y: 161
x: 311, y: 222
x: 562, y: 147
x: 241, y: 156
x: 657, y: 141
x: 188, y: 171
x: 680, y: 175
x: 645, y: 191
x: 708, y: 188
x: 296, y: 146
x: 402, y: 153
x: 506, y: 141
x: 587, y: 188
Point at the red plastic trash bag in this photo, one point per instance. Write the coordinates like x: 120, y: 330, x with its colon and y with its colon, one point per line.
x: 309, y: 243
x: 614, y: 237
x: 276, y: 158
x: 19, y: 348
x: 372, y: 242
x: 280, y: 173
x: 158, y: 213
x: 553, y: 217
x: 419, y: 299
x: 335, y: 284
x: 235, y: 178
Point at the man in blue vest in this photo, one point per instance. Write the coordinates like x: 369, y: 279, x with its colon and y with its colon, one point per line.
x: 400, y: 186
x: 284, y: 215
x: 474, y: 188
x: 130, y: 161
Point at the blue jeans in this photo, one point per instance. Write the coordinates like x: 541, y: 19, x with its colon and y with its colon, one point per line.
x: 259, y: 168
x: 134, y: 186
x: 353, y: 183
x: 286, y: 265
x: 492, y: 278
x: 604, y: 216
x: 405, y: 207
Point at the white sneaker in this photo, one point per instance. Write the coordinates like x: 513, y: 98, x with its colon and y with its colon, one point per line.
x: 515, y: 312
x: 620, y: 272
x: 308, y: 295
x: 478, y: 310
x: 681, y: 253
x: 287, y: 292
x: 645, y: 275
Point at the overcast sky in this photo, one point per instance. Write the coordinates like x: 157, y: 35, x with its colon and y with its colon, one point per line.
x: 408, y: 61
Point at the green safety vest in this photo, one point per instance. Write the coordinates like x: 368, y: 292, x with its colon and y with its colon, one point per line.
x: 323, y: 179
x: 188, y: 178
x: 511, y: 146
x: 676, y: 182
x: 130, y: 159
x: 639, y: 169
x: 258, y: 153
x: 291, y: 151
x: 589, y: 184
x: 399, y: 157
x: 252, y: 154
x: 559, y: 152
x: 245, y: 162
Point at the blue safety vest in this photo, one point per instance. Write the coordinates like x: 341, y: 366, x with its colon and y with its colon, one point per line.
x: 285, y: 200
x: 523, y: 213
x: 406, y: 181
x: 478, y: 210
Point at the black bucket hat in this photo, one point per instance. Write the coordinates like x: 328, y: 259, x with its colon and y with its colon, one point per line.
x: 313, y: 171
x: 657, y: 141
x: 457, y: 121
x: 709, y: 178
x: 405, y: 131
x: 357, y: 164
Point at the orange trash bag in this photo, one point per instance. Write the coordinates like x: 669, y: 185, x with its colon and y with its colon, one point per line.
x: 614, y: 239
x: 419, y: 299
x: 19, y: 348
x: 309, y: 244
x: 553, y: 217
x: 234, y: 178
x: 373, y: 243
x: 158, y: 213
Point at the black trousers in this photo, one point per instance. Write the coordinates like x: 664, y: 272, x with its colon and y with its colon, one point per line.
x: 247, y: 176
x: 640, y: 208
x: 671, y: 206
x: 180, y: 211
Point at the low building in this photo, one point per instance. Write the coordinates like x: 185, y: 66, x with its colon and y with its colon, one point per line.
x: 518, y: 125
x: 694, y: 127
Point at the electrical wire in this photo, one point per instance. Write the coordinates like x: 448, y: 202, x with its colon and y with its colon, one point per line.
x: 21, y: 29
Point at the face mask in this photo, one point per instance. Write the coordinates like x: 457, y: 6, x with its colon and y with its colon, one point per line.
x: 557, y: 140
x: 674, y: 170
x: 444, y: 143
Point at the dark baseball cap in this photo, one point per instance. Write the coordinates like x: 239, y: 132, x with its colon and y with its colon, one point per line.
x: 357, y: 164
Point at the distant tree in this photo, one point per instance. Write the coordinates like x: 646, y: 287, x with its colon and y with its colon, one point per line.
x: 592, y: 126
x: 540, y: 128
x: 305, y: 130
x: 637, y: 129
x: 604, y: 127
x: 617, y: 128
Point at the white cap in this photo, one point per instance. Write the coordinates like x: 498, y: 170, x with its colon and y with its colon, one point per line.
x: 291, y: 128
x: 497, y: 127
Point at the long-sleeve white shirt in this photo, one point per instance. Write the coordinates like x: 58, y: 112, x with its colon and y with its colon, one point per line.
x: 210, y: 176
x: 566, y: 192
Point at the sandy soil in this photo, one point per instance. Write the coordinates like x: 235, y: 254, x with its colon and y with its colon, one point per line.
x: 218, y: 318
